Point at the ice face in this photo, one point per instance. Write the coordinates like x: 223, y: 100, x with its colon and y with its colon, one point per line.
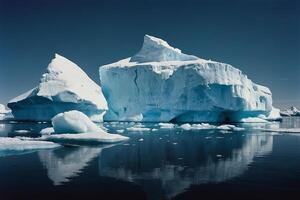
x: 64, y: 86
x: 161, y: 84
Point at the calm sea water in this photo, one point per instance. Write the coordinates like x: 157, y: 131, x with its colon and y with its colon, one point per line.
x: 161, y: 164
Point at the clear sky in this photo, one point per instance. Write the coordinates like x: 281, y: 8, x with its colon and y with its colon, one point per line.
x: 260, y: 37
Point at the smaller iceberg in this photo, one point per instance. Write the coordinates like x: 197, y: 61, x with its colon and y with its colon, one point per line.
x: 74, y: 126
x: 64, y: 86
x: 4, y: 113
x: 292, y: 111
x: 73, y: 122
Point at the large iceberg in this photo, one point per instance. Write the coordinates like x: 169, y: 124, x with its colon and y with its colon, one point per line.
x: 160, y: 83
x: 65, y: 86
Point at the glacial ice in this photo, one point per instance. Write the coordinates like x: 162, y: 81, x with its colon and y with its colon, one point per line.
x: 10, y: 146
x: 161, y: 84
x: 65, y: 86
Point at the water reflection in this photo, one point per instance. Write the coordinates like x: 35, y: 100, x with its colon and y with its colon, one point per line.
x: 194, y: 160
x: 65, y: 163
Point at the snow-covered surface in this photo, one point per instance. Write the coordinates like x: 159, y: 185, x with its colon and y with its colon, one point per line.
x: 65, y: 86
x: 73, y: 122
x: 160, y: 84
x: 16, y: 144
x: 292, y: 111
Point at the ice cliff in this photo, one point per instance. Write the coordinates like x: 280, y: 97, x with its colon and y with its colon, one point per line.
x: 160, y: 83
x: 65, y: 86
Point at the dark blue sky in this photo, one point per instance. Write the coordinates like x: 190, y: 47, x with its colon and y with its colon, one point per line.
x: 260, y: 37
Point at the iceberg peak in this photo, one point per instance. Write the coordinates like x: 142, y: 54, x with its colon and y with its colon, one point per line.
x: 157, y: 50
x: 64, y: 86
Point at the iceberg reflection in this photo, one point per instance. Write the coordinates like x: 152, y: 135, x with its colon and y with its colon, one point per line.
x: 192, y: 161
x: 65, y: 163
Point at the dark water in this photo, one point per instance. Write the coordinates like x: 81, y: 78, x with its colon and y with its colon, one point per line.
x: 162, y: 164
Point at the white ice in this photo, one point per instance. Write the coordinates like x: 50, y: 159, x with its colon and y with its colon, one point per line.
x: 74, y: 126
x: 205, y: 126
x: 65, y: 86
x: 73, y: 122
x: 161, y: 84
x: 166, y: 125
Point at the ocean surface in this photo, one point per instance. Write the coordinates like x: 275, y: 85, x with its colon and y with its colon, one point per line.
x: 160, y: 163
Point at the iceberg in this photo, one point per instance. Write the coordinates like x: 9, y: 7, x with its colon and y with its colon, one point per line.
x: 65, y: 86
x: 73, y: 122
x: 162, y: 84
x: 292, y: 111
x: 75, y: 127
x: 4, y: 113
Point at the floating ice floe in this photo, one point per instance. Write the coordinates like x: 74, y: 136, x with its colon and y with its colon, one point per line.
x: 120, y: 131
x: 10, y: 146
x: 253, y: 120
x: 166, y: 125
x: 22, y: 131
x: 138, y: 129
x: 89, y: 138
x: 204, y: 126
